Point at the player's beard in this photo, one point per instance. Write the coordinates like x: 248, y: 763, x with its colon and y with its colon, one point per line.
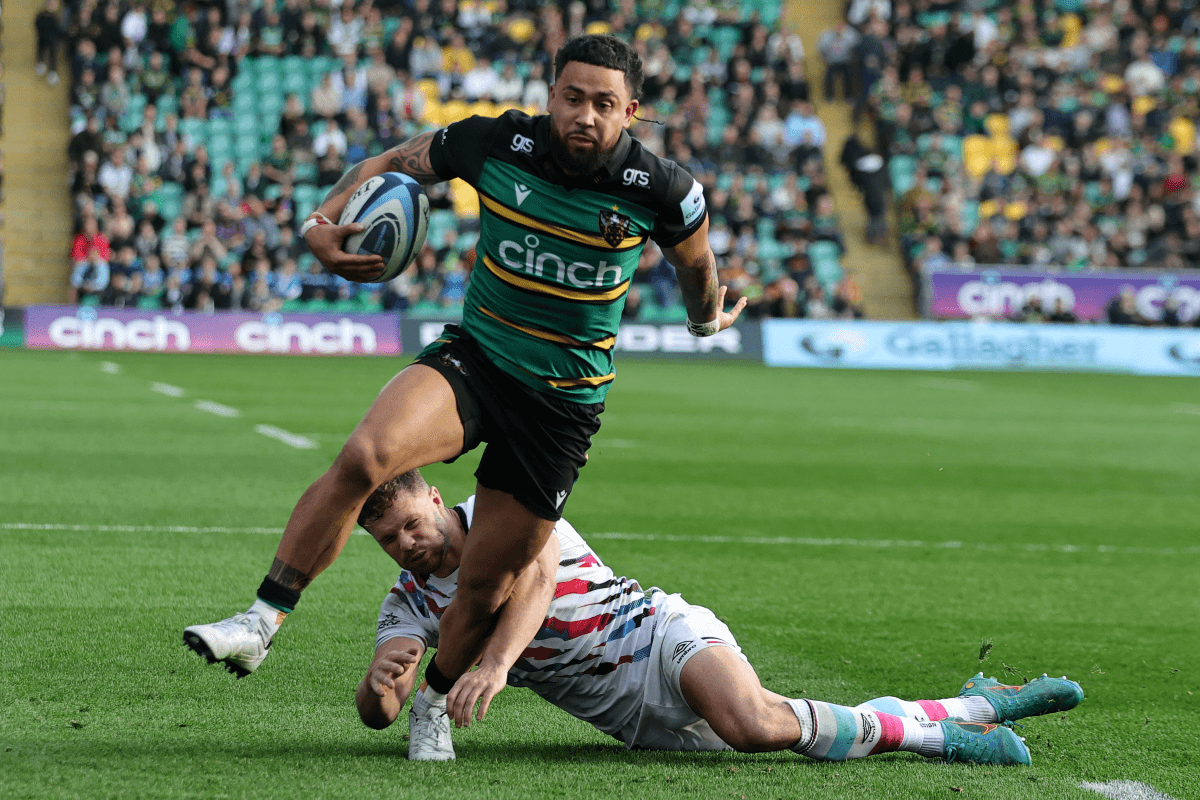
x: 584, y: 163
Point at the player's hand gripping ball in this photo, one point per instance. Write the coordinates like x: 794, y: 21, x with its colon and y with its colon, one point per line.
x: 395, y: 212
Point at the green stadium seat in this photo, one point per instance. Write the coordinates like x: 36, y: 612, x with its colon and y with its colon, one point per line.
x: 245, y: 104
x: 244, y: 82
x: 220, y: 127
x: 167, y: 104
x: 289, y: 65
x: 902, y: 170
x: 268, y: 83
x: 195, y: 129
x: 825, y: 258
x: 296, y: 83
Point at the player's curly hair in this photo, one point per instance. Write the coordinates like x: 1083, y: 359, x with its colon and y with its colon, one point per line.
x: 386, y: 493
x: 603, y: 50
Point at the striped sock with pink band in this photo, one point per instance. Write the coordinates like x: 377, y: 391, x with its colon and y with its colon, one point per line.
x: 831, y: 732
x: 970, y: 709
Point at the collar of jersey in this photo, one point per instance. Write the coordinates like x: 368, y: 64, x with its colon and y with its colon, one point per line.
x: 541, y: 144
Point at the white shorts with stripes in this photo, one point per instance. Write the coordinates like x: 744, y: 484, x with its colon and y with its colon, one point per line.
x: 666, y: 721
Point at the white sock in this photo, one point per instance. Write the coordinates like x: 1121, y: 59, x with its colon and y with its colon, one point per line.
x: 831, y: 732
x: 432, y: 697
x: 271, y: 615
x: 970, y: 709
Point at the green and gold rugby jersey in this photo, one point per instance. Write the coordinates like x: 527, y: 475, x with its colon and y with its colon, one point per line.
x: 556, y: 253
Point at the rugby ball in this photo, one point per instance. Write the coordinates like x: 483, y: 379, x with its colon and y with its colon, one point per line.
x: 395, y: 211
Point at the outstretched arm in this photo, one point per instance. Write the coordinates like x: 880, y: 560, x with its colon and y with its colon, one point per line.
x: 696, y: 270
x: 389, y: 681
x: 325, y: 241
x: 521, y: 617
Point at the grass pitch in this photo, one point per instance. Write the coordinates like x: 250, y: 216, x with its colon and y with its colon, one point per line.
x: 861, y: 532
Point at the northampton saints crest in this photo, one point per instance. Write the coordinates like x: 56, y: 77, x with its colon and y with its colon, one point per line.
x: 614, y: 227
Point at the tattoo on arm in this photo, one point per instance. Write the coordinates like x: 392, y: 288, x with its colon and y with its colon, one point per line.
x: 412, y: 158
x: 288, y: 576
x: 699, y: 287
x: 348, y: 180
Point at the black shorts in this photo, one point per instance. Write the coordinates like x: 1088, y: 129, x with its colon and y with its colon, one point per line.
x: 537, y: 443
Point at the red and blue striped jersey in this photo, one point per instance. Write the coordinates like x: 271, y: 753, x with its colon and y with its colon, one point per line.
x: 598, y: 625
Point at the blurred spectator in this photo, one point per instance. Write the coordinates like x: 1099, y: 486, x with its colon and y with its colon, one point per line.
x: 837, y: 46
x: 49, y: 27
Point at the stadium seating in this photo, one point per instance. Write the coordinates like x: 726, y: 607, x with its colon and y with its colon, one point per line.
x: 237, y: 129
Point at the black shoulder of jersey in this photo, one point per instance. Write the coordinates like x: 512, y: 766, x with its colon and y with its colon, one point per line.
x: 632, y: 174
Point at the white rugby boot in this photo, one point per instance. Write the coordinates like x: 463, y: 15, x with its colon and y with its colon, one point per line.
x: 428, y: 731
x: 240, y: 643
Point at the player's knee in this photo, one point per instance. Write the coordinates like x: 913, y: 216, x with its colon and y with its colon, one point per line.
x: 747, y: 736
x: 363, y: 463
x: 484, y: 594
x: 750, y: 728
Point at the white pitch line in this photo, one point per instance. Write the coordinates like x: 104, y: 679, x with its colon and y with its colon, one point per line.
x: 953, y: 384
x: 110, y: 367
x: 911, y: 544
x: 1187, y: 408
x: 290, y: 439
x: 896, y: 543
x: 217, y: 408
x: 52, y: 526
x: 167, y: 389
x: 1126, y: 790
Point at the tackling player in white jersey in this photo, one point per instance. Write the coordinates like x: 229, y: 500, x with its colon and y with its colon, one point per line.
x: 643, y: 666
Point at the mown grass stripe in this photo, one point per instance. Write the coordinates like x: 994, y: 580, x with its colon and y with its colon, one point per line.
x: 794, y: 541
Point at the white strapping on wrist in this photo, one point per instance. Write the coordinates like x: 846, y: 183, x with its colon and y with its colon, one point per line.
x: 702, y: 329
x: 314, y: 219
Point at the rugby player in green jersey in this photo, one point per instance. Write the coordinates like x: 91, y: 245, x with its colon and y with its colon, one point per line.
x: 568, y: 201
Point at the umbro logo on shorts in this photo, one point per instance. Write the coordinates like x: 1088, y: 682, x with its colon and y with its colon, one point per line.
x: 682, y: 649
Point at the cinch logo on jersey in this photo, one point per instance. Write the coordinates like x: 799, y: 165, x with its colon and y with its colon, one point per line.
x: 555, y: 265
x: 529, y: 260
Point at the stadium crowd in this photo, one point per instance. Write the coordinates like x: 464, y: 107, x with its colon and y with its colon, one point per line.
x: 202, y: 135
x: 1056, y: 133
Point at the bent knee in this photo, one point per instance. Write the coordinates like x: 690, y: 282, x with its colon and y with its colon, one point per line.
x: 364, y: 462
x: 748, y: 738
x: 758, y: 727
x: 483, y: 595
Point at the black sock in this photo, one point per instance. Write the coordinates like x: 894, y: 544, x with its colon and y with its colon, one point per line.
x: 436, y: 680
x: 278, y: 595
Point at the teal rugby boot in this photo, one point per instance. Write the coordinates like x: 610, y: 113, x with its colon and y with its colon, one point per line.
x: 1042, y: 695
x: 983, y: 743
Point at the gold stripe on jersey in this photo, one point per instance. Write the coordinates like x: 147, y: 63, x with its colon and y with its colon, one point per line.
x: 525, y: 221
x: 575, y: 383
x: 558, y: 338
x: 553, y: 290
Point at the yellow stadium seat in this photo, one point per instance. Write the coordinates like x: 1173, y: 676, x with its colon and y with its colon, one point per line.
x: 1005, y: 147
x: 996, y: 124
x: 977, y: 155
x: 455, y: 110
x: 464, y: 198
x: 430, y: 87
x: 1183, y: 130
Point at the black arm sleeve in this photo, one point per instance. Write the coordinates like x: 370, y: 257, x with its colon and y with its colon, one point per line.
x: 683, y: 211
x: 459, y: 149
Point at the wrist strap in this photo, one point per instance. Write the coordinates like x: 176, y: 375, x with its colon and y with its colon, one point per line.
x: 702, y: 329
x: 314, y: 219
